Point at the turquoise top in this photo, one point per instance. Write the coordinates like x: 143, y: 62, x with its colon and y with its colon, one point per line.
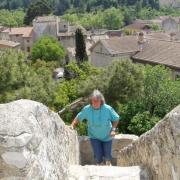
x: 99, y: 121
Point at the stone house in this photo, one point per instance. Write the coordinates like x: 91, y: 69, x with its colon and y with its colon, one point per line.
x: 45, y: 25
x: 22, y: 35
x: 140, y: 25
x: 4, y: 44
x: 170, y: 24
x: 53, y: 26
x: 160, y: 52
x: 172, y: 3
x: 67, y: 35
x: 140, y: 50
x: 105, y: 51
x: 63, y: 31
x: 159, y: 35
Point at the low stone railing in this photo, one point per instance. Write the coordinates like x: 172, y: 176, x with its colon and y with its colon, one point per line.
x: 119, y: 142
x: 157, y: 149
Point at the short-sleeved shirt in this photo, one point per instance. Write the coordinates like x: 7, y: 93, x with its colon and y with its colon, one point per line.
x: 99, y: 121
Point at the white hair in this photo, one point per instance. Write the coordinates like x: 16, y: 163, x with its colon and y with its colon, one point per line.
x: 97, y: 95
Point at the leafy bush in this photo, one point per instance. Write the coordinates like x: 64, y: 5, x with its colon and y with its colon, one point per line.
x: 142, y: 122
x: 49, y: 49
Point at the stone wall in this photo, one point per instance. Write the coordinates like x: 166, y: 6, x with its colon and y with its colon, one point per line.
x: 119, y: 141
x: 158, y: 149
x: 35, y: 143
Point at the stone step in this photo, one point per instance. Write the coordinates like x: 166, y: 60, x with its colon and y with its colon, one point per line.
x: 91, y: 172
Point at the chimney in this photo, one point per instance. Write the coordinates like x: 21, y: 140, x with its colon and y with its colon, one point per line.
x: 141, y: 40
x: 172, y: 36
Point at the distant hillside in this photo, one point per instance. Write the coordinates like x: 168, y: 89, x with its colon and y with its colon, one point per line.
x: 14, y: 4
x: 60, y: 6
x: 172, y: 3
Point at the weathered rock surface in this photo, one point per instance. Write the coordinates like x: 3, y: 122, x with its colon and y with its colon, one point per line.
x: 107, y: 173
x: 119, y: 141
x: 158, y: 149
x: 35, y: 143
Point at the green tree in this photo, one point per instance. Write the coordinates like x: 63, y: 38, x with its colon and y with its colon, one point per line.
x: 81, y: 54
x: 123, y: 78
x: 155, y: 27
x: 37, y: 8
x: 138, y: 6
x: 142, y: 122
x: 161, y: 94
x: 19, y: 80
x: 61, y: 6
x: 11, y: 18
x: 49, y: 49
x: 129, y: 15
x: 127, y: 111
x: 113, y: 18
x: 126, y: 82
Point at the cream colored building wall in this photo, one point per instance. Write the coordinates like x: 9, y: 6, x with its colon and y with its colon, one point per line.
x: 175, y: 74
x: 28, y: 43
x: 44, y: 28
x: 18, y: 38
x: 4, y: 36
x: 100, y: 60
x: 8, y: 47
x: 67, y: 41
x: 24, y: 44
x: 100, y: 57
x: 170, y: 25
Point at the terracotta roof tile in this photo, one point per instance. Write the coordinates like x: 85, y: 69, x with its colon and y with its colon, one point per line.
x: 9, y: 43
x: 160, y: 52
x: 118, y: 45
x: 159, y: 35
x: 154, y: 51
x: 24, y: 31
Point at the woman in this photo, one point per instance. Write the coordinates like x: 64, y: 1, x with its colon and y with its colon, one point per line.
x: 102, y: 123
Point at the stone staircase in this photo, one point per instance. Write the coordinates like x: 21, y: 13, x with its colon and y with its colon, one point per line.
x: 91, y: 172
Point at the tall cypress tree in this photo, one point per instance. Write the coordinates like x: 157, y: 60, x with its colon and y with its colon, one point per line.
x: 81, y: 54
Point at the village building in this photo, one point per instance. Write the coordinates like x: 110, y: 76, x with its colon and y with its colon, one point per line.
x: 45, y: 25
x: 105, y: 51
x: 140, y: 50
x: 170, y: 24
x: 63, y: 31
x: 143, y: 25
x: 21, y: 35
x: 4, y: 44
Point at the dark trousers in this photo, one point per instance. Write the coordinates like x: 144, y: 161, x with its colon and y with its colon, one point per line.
x: 102, y: 150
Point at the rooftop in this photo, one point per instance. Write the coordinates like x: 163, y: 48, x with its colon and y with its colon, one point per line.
x: 158, y: 35
x: 160, y: 52
x: 155, y: 51
x: 9, y: 43
x: 24, y: 31
x: 118, y: 45
x: 45, y: 19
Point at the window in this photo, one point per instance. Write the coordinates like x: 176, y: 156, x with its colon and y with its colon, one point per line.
x: 177, y: 76
x: 28, y: 49
x: 27, y: 40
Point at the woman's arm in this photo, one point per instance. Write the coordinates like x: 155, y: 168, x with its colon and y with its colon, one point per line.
x: 74, y: 123
x: 113, y: 130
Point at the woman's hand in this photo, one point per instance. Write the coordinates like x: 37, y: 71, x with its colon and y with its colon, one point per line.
x: 112, y: 133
